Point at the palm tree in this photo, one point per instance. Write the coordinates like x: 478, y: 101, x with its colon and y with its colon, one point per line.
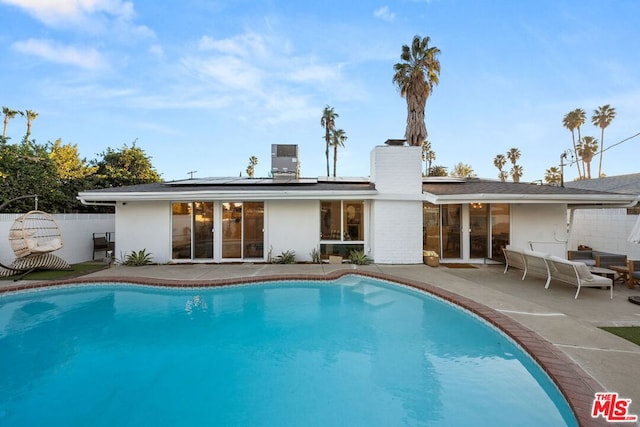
x: 338, y: 137
x: 416, y: 76
x: 503, y: 176
x: 581, y: 117
x: 328, y: 121
x: 570, y: 121
x: 438, y: 170
x: 587, y: 149
x: 499, y: 161
x: 428, y: 156
x: 8, y: 115
x: 31, y: 116
x: 462, y: 170
x: 552, y: 175
x: 516, y: 172
x: 251, y: 169
x: 602, y: 117
x: 513, y: 155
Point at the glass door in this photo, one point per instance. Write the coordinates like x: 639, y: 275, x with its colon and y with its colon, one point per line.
x: 253, y: 236
x: 203, y: 230
x: 478, y: 226
x: 192, y: 230
x: 451, y: 227
x: 500, y: 226
x: 232, y: 230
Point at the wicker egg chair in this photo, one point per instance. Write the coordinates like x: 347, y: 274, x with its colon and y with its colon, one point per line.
x: 34, y: 233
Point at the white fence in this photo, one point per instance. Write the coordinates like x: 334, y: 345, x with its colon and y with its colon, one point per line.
x: 77, y: 235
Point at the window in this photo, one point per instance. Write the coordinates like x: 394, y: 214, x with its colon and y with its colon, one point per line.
x: 341, y: 227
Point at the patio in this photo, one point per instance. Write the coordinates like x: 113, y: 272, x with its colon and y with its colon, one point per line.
x: 569, y: 325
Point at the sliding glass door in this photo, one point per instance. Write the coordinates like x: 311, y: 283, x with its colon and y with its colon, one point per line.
x: 192, y: 230
x: 243, y: 230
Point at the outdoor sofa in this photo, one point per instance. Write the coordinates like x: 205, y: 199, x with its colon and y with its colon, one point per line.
x: 597, y: 258
x: 553, y: 268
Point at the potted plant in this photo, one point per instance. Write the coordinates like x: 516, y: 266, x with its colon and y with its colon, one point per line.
x: 431, y: 258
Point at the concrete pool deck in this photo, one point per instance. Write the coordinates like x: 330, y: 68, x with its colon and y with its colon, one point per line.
x: 570, y: 327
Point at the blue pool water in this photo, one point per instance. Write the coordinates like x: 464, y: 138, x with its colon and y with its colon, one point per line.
x: 354, y: 352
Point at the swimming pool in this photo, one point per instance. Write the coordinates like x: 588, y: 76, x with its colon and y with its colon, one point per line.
x: 354, y: 351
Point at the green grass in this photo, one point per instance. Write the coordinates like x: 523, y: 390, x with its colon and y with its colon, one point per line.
x: 76, y: 270
x: 629, y: 333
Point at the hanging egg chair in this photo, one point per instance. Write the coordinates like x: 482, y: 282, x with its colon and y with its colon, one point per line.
x: 34, y: 233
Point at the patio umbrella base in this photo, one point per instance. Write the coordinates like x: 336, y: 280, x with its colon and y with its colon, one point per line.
x: 635, y: 299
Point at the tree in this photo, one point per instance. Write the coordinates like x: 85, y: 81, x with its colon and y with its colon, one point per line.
x: 73, y: 175
x: 462, y: 170
x: 602, y: 117
x: 437, y: 170
x: 516, y: 172
x: 338, y: 137
x: 31, y: 116
x: 570, y: 121
x: 27, y: 169
x: 513, y: 155
x: 8, y: 115
x: 552, y: 176
x: 587, y: 149
x: 328, y: 121
x: 499, y: 161
x: 581, y: 117
x: 428, y: 156
x: 125, y: 166
x: 416, y: 76
x: 253, y: 161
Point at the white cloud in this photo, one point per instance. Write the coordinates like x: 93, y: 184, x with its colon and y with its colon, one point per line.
x: 87, y: 58
x: 93, y: 16
x: 384, y: 13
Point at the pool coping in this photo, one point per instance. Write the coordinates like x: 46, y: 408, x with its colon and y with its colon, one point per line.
x: 576, y: 385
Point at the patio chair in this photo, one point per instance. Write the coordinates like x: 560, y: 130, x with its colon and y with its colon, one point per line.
x: 33, y: 236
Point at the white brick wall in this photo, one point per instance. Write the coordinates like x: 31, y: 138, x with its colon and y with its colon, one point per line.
x: 397, y: 211
x: 605, y: 230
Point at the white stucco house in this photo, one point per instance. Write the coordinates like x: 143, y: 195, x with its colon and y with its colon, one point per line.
x: 393, y: 215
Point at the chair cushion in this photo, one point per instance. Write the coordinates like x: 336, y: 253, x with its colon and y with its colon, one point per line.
x: 583, y: 271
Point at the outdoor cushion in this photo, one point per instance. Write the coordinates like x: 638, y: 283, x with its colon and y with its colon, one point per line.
x: 583, y: 271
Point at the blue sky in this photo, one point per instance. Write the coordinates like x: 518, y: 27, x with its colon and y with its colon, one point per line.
x: 202, y: 85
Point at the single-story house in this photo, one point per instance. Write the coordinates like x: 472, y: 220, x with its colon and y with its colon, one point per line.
x: 607, y: 230
x: 392, y: 215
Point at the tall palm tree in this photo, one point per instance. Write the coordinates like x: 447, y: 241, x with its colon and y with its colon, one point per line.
x: 602, y: 117
x: 251, y: 168
x: 581, y: 118
x: 587, y: 149
x: 428, y: 156
x: 552, y: 175
x: 499, y: 161
x: 31, y: 116
x: 513, y: 155
x: 328, y: 122
x: 416, y: 76
x: 570, y: 121
x: 338, y: 137
x: 8, y: 115
x: 516, y: 172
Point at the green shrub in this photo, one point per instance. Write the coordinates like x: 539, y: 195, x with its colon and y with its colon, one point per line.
x: 287, y: 257
x: 138, y: 258
x: 315, y: 256
x: 358, y: 257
